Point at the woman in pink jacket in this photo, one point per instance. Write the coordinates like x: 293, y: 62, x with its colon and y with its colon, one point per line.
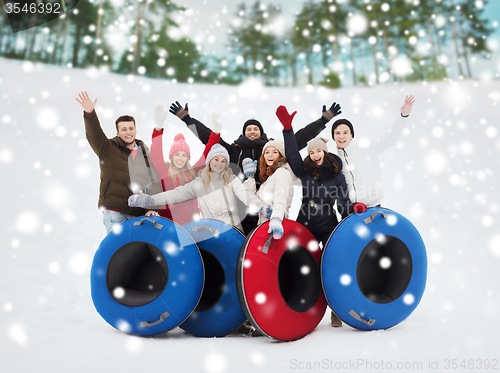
x: 178, y: 170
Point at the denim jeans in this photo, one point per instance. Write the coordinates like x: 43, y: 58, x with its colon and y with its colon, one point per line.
x: 112, y: 218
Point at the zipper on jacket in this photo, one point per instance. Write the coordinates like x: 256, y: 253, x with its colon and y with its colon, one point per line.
x: 353, y: 184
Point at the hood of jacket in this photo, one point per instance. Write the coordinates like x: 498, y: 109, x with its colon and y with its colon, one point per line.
x: 284, y: 163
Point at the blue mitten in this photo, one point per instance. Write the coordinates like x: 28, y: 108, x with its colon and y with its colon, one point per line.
x: 249, y: 167
x: 276, y: 228
x: 266, y: 211
x: 140, y: 200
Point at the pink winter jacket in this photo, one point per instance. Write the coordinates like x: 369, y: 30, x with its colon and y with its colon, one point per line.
x: 183, y: 212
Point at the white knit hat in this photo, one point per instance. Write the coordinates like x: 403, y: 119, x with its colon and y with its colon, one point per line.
x: 317, y: 143
x: 279, y: 145
x: 216, y: 151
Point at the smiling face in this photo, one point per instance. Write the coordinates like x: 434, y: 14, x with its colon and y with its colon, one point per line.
x: 342, y: 136
x: 218, y: 164
x: 127, y: 132
x: 317, y: 156
x: 270, y: 155
x: 179, y: 159
x: 252, y: 132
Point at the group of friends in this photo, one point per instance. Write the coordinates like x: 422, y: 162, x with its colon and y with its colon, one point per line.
x: 137, y: 181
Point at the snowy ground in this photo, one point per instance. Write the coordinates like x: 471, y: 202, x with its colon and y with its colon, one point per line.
x: 442, y: 175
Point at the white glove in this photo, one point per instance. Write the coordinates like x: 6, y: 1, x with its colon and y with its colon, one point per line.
x: 141, y: 200
x: 217, y: 123
x: 276, y: 228
x: 160, y: 115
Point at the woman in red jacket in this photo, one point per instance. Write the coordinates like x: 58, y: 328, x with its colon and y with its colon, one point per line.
x: 178, y: 170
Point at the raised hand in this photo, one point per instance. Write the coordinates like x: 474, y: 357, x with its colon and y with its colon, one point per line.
x: 217, y: 123
x: 160, y: 115
x: 332, y: 112
x: 406, y: 108
x: 249, y: 167
x: 85, y: 102
x: 284, y: 117
x: 177, y: 109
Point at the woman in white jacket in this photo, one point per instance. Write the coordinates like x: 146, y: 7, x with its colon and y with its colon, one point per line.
x: 276, y: 190
x: 360, y: 165
x: 215, y: 188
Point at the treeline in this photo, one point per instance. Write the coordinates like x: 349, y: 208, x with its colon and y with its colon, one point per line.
x: 331, y: 42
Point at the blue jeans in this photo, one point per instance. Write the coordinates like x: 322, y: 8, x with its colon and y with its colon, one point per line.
x: 112, y: 218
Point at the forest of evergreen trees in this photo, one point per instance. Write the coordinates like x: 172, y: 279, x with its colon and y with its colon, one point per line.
x: 331, y: 42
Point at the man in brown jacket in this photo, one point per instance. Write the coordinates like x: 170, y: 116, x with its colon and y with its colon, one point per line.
x: 125, y: 165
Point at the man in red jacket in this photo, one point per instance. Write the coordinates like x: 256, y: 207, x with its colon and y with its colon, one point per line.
x: 125, y: 165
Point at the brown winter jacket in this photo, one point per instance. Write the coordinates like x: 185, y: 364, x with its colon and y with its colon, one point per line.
x: 121, y: 175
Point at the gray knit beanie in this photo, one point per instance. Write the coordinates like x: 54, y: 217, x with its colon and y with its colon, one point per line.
x: 215, y: 151
x: 317, y: 143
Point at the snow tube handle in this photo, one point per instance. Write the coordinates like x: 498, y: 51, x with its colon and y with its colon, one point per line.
x: 265, y: 248
x: 156, y: 224
x: 372, y: 216
x: 163, y: 316
x: 213, y: 231
x: 354, y: 314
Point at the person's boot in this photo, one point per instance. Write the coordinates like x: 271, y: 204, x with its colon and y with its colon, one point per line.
x: 335, y: 320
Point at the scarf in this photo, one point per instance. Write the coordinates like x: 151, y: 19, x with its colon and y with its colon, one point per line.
x: 245, y: 142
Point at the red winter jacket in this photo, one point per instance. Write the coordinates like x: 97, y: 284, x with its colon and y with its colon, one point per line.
x: 182, y: 212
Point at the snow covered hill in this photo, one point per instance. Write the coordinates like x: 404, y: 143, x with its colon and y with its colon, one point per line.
x: 443, y: 174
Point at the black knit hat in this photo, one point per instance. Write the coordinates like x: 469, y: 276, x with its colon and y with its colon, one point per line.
x: 342, y: 121
x: 253, y: 122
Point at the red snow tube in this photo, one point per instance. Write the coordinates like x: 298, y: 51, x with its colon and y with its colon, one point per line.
x: 279, y: 282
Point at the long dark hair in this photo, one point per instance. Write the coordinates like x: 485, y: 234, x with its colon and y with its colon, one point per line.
x: 329, y: 161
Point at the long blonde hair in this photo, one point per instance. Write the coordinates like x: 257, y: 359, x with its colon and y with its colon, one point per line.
x: 206, y: 177
x: 173, y: 172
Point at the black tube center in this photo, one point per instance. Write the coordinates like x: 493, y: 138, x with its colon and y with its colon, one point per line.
x: 137, y: 274
x: 215, y: 282
x: 384, y: 269
x: 299, y: 279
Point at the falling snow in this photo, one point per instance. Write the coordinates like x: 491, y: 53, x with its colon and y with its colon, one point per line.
x: 442, y: 176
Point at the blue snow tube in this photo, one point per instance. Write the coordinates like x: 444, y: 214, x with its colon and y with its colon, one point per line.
x: 374, y: 269
x: 147, y: 276
x: 219, y: 311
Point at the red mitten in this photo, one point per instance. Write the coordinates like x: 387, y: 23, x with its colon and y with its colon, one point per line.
x: 359, y: 207
x: 284, y: 117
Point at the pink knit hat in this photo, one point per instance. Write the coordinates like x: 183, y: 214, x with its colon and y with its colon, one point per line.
x: 178, y: 145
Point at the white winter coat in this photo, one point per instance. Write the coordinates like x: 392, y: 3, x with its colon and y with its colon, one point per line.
x: 213, y: 204
x: 361, y: 168
x: 276, y: 191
